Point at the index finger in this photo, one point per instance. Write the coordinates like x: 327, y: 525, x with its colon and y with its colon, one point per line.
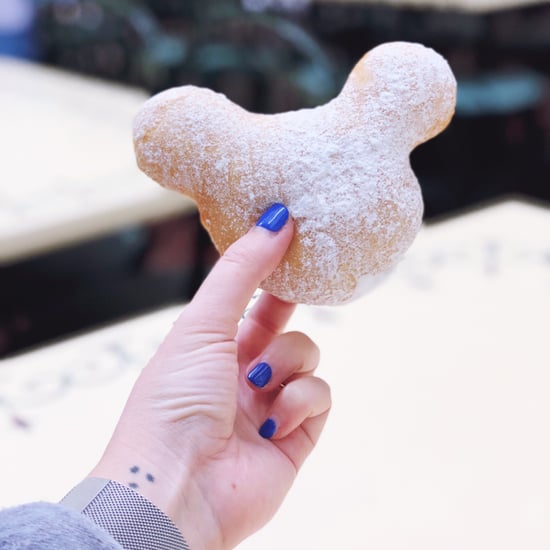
x: 221, y: 299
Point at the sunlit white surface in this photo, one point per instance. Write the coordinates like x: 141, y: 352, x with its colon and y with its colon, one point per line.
x: 438, y: 433
x: 68, y: 166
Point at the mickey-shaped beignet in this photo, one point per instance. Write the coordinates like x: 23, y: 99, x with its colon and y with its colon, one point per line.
x: 342, y: 169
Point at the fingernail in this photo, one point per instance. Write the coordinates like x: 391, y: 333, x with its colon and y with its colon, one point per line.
x: 274, y: 218
x: 260, y: 375
x: 268, y: 428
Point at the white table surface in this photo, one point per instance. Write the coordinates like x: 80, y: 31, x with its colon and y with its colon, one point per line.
x: 68, y: 167
x: 438, y: 436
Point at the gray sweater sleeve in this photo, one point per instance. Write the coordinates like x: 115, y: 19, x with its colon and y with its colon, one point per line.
x: 47, y: 526
x: 98, y: 514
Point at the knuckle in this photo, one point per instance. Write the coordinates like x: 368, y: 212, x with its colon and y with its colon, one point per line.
x: 239, y: 254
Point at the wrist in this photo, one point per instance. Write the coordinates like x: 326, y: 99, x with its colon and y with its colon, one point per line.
x: 168, y: 483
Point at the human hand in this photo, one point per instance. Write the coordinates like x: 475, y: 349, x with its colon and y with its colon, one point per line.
x: 199, y: 437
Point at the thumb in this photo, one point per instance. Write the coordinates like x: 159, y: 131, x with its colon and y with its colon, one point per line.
x: 219, y: 303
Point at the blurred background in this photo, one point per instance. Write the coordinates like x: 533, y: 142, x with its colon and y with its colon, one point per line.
x: 268, y: 56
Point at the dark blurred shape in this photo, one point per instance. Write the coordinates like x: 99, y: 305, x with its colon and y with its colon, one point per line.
x: 271, y: 56
x: 257, y: 59
x: 499, y: 141
x: 275, y: 55
x: 295, y: 6
x: 130, y: 272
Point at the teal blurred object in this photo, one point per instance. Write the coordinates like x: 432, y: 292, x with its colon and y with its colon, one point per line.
x: 500, y: 94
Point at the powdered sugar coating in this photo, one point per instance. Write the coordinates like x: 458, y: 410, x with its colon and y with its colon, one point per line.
x: 342, y: 169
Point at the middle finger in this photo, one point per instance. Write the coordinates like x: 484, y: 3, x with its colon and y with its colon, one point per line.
x: 266, y: 319
x: 288, y: 355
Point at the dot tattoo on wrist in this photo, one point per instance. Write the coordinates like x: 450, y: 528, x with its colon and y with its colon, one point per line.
x: 135, y: 470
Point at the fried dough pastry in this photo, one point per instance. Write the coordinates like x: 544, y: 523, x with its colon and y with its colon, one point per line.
x: 342, y: 169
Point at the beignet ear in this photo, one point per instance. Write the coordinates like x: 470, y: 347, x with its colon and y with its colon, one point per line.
x: 409, y: 85
x: 179, y: 133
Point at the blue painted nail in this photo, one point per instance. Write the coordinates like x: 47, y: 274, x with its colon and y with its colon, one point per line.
x: 274, y: 218
x: 260, y: 375
x: 268, y: 428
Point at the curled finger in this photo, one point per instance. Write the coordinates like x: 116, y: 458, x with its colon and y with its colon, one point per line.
x: 287, y: 355
x: 302, y: 399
